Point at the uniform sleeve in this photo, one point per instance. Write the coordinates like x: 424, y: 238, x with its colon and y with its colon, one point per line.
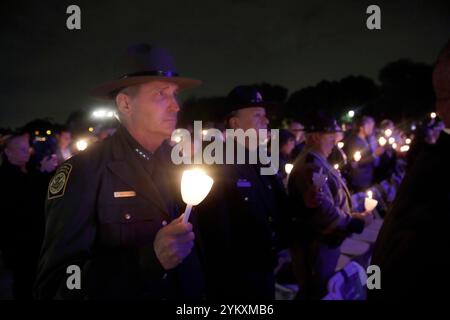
x: 329, y: 216
x: 71, y: 227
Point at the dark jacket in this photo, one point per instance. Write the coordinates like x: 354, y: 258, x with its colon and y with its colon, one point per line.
x: 361, y: 177
x: 22, y: 223
x: 411, y: 249
x: 318, y: 231
x: 240, y: 232
x: 104, y: 219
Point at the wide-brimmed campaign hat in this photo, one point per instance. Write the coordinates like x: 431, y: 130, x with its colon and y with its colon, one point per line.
x: 242, y: 97
x: 140, y: 64
x: 322, y: 123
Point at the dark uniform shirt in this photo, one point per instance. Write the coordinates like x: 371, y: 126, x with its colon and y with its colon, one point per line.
x: 104, y: 208
x: 318, y: 231
x: 240, y: 232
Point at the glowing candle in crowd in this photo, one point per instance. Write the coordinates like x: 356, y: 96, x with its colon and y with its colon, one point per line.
x: 195, y: 186
x: 382, y: 141
x: 394, y: 146
x: 369, y: 202
x: 336, y: 166
x: 433, y: 115
x: 388, y: 132
x: 408, y: 141
x: 391, y: 140
x: 340, y: 145
x: 288, y: 168
x: 404, y: 148
x: 81, y: 145
x: 357, y: 156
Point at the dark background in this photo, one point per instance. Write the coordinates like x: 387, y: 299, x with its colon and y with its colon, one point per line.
x: 47, y: 69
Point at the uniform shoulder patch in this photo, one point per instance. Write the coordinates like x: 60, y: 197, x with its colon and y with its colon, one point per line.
x: 57, y: 185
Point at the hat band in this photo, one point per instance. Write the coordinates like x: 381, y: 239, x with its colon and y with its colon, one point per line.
x: 159, y: 73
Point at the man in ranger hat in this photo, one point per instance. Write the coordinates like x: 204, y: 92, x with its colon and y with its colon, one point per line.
x: 112, y: 225
x: 322, y: 209
x: 239, y: 221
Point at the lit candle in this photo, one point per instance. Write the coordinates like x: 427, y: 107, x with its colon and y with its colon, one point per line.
x: 391, y: 140
x: 433, y: 115
x: 369, y: 203
x: 81, y: 145
x: 195, y: 186
x: 357, y: 156
x: 336, y: 166
x: 288, y: 168
x: 408, y: 141
x: 404, y: 148
x: 394, y: 146
x: 388, y: 132
x: 340, y: 145
x: 382, y: 141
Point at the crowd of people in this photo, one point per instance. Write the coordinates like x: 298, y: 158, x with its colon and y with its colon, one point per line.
x: 114, y: 208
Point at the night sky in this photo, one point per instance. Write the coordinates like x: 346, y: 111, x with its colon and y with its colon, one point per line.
x: 47, y: 69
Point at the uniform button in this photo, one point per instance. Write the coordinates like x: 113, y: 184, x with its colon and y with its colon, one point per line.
x: 127, y: 216
x: 164, y: 223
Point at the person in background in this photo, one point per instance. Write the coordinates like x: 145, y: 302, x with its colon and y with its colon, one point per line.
x: 63, y: 144
x: 297, y: 129
x: 22, y: 198
x: 322, y: 214
x: 287, y: 145
x: 240, y: 223
x: 361, y: 171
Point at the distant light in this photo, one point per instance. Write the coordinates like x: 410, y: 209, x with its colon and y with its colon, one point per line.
x: 388, y: 132
x: 357, y: 156
x: 351, y: 113
x: 394, y: 146
x: 404, y: 148
x: 340, y: 145
x: 288, y: 167
x: 408, y: 141
x: 48, y: 132
x: 391, y: 140
x: 413, y: 127
x: 36, y: 133
x: 382, y: 141
x: 91, y: 129
x: 81, y: 145
x: 102, y: 113
x: 336, y: 166
x: 433, y: 115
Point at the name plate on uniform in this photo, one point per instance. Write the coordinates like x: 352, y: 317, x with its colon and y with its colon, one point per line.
x: 243, y: 183
x: 124, y: 194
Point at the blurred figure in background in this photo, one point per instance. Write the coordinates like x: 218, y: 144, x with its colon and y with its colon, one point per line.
x: 64, y: 142
x: 22, y: 197
x: 361, y: 170
x: 287, y: 144
x: 323, y: 214
x: 298, y: 130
